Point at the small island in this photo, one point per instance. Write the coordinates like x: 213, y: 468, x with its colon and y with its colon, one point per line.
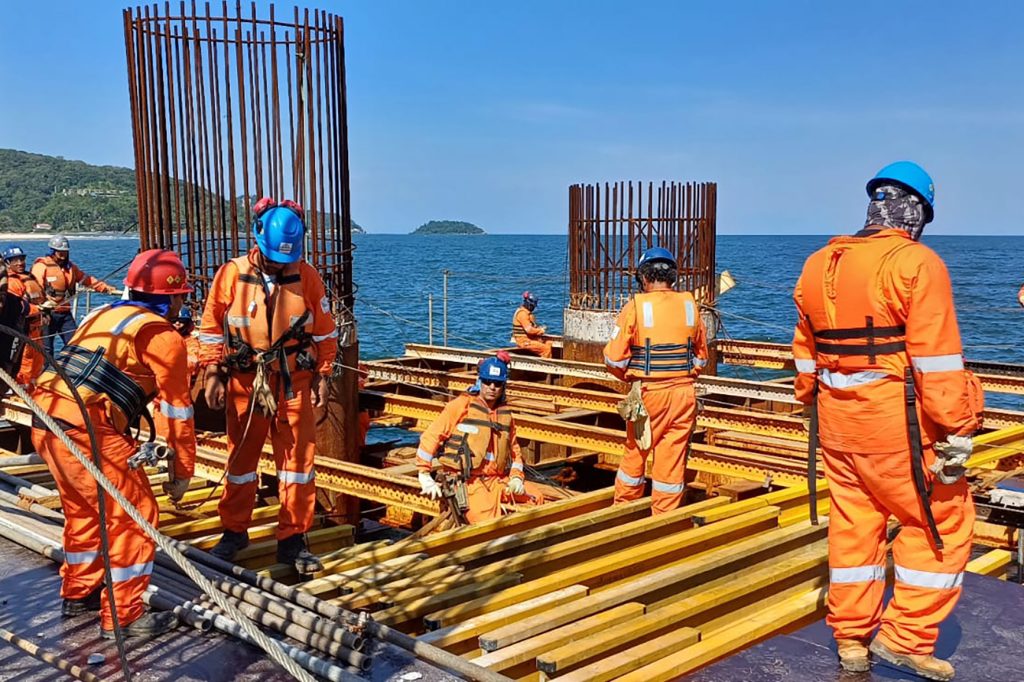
x: 448, y: 227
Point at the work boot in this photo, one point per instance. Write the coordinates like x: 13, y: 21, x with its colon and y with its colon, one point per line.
x: 76, y: 607
x: 853, y: 655
x: 149, y: 625
x: 292, y: 550
x: 230, y: 544
x: 924, y: 665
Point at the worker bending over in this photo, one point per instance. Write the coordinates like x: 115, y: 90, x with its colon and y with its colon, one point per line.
x: 123, y: 356
x: 60, y: 279
x: 878, y: 355
x: 25, y: 286
x: 525, y: 332
x: 659, y: 347
x: 481, y: 450
x: 268, y: 342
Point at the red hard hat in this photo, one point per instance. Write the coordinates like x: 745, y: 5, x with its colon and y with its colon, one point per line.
x: 158, y: 272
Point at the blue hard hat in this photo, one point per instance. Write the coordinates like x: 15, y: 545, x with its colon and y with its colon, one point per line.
x: 13, y: 251
x: 657, y: 254
x: 911, y: 177
x: 530, y: 298
x: 493, y: 369
x: 185, y: 313
x: 280, y: 233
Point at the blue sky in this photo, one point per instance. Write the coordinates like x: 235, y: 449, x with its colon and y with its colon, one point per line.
x: 487, y: 111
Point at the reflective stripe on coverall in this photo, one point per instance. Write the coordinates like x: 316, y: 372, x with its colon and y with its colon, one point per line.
x: 870, y: 306
x: 297, y: 289
x: 659, y: 340
x: 528, y: 335
x: 160, y: 349
x: 486, y: 484
x: 25, y: 286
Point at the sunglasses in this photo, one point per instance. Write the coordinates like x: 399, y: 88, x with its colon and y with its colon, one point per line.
x: 492, y: 382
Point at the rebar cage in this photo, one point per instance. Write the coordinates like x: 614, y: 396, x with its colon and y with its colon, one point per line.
x: 229, y: 108
x: 611, y: 225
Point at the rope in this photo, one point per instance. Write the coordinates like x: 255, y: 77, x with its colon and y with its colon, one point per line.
x: 164, y: 543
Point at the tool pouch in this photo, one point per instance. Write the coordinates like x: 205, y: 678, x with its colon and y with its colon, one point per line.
x: 632, y: 409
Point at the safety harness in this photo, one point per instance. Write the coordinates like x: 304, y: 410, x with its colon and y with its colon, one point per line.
x: 467, y: 449
x: 89, y: 369
x: 823, y: 341
x: 662, y: 357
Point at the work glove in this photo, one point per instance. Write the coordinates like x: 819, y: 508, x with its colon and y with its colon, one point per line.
x: 175, y: 488
x: 48, y: 305
x: 428, y: 486
x: 951, y: 458
x: 516, y: 486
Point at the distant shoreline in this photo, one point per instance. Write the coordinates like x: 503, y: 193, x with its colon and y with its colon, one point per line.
x: 33, y: 236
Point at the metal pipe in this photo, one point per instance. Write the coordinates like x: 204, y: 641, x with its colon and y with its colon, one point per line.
x: 314, y: 664
x: 33, y: 650
x: 21, y: 460
x: 437, y: 656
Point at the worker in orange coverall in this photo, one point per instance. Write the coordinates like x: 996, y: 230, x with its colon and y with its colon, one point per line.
x: 659, y: 346
x: 878, y: 355
x: 25, y: 286
x: 525, y: 332
x: 478, y: 435
x: 184, y: 325
x: 60, y: 279
x: 122, y: 356
x: 268, y: 342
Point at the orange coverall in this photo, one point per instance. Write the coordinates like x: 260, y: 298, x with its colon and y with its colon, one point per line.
x: 192, y: 350
x: 486, y: 484
x: 293, y: 430
x: 882, y: 293
x: 670, y: 322
x: 152, y: 354
x: 528, y: 335
x: 60, y: 283
x: 24, y: 285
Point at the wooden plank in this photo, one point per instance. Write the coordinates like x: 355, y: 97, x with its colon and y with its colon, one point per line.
x: 471, y: 627
x: 660, y: 648
x: 403, y: 614
x: 994, y: 563
x: 385, y: 593
x: 606, y: 568
x: 549, y: 558
x: 695, y: 601
x: 751, y: 628
x: 787, y: 498
x: 191, y: 529
x: 529, y: 648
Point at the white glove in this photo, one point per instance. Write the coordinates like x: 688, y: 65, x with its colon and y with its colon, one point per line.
x: 428, y: 486
x: 176, y: 488
x: 48, y: 305
x: 952, y: 456
x: 516, y: 486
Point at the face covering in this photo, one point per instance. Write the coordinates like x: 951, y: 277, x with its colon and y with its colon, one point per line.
x: 156, y: 303
x: 895, y: 207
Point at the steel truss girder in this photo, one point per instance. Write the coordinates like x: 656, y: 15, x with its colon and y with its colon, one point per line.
x: 998, y: 377
x: 334, y: 475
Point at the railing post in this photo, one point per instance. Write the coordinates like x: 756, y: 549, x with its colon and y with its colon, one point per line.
x: 430, y: 319
x: 445, y: 309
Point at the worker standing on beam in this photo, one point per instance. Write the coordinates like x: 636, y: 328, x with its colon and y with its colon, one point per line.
x: 526, y: 333
x: 481, y: 450
x: 60, y: 279
x: 24, y: 285
x: 659, y: 346
x: 123, y: 356
x: 268, y: 342
x: 878, y: 356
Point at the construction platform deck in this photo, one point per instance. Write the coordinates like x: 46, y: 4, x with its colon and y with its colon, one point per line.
x: 982, y: 639
x: 30, y: 607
